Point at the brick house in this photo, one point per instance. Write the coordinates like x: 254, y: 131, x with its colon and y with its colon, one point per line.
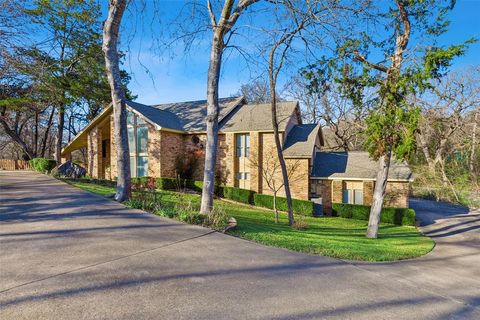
x: 166, y: 138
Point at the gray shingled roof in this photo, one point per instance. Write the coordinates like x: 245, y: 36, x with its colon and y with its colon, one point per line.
x: 156, y: 116
x: 331, y: 142
x: 354, y: 165
x: 301, y: 140
x: 257, y: 117
x: 191, y: 114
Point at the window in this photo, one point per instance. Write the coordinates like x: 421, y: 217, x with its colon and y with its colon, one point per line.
x: 104, y: 148
x: 352, y: 193
x: 138, y: 145
x: 243, y: 176
x: 243, y: 145
x: 358, y: 196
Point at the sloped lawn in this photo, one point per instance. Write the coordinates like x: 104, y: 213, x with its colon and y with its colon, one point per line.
x: 327, y: 236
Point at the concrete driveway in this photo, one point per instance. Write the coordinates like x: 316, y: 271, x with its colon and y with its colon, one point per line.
x: 68, y: 254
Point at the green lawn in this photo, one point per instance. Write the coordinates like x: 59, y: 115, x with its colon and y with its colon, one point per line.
x: 327, y: 236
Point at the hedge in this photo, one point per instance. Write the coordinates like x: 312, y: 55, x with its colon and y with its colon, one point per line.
x: 166, y: 183
x: 42, y: 164
x: 239, y: 195
x: 304, y: 207
x: 398, y: 216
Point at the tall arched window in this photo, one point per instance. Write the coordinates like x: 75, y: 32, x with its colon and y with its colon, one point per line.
x: 138, y: 145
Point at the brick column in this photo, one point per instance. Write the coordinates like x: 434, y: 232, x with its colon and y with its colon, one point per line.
x: 256, y: 157
x: 327, y: 197
x: 113, y: 151
x: 337, y: 193
x: 94, y: 152
x: 230, y: 162
x: 368, y: 187
x: 155, y: 152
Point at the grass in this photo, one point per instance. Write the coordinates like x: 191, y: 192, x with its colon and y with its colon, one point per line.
x: 327, y: 236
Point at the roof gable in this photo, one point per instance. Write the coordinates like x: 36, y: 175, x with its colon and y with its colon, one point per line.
x: 258, y: 117
x: 301, y: 141
x: 190, y: 116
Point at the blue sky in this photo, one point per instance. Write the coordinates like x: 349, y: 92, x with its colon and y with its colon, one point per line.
x: 173, y: 75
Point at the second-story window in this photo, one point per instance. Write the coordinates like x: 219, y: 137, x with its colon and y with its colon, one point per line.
x: 243, y: 145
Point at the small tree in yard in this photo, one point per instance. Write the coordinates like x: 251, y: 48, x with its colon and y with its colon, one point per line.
x: 269, y: 166
x: 392, y: 122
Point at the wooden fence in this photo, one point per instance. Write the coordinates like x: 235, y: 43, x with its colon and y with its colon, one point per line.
x: 9, y: 164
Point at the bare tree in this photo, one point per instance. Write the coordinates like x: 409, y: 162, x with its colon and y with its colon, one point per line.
x: 111, y: 28
x: 257, y: 91
x: 473, y: 164
x: 269, y: 166
x: 329, y: 106
x: 222, y: 32
x: 449, y: 118
x: 276, y: 58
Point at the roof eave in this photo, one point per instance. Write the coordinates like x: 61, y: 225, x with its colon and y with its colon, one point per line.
x: 360, y: 179
x: 88, y: 127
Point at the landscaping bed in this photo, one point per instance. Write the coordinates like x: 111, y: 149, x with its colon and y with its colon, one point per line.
x: 329, y: 236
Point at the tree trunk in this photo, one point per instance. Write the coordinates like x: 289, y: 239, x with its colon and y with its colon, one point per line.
x: 378, y: 196
x: 35, y: 137
x: 426, y: 152
x: 110, y: 40
x: 212, y: 123
x: 275, y: 210
x: 471, y: 164
x: 276, y: 135
x: 47, y: 131
x: 59, y: 136
x: 16, y: 138
x: 446, y: 181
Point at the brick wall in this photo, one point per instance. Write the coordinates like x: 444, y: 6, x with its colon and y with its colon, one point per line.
x: 299, y: 178
x: 397, y: 194
x: 171, y: 147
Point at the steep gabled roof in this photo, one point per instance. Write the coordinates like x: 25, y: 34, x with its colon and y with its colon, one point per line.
x: 157, y: 117
x: 301, y: 141
x: 355, y: 165
x: 190, y: 116
x: 257, y: 117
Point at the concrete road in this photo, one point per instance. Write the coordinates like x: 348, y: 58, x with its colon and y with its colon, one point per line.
x: 68, y: 254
